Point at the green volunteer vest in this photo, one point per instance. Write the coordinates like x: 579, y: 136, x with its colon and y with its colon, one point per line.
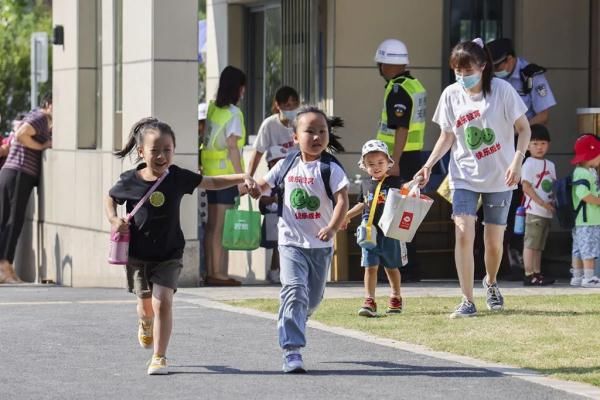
x: 416, y: 128
x: 215, y: 161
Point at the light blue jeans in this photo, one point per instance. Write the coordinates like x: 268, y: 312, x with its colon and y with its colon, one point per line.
x: 303, y: 277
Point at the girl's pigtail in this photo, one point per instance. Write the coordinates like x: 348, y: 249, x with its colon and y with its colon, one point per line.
x: 335, y: 146
x: 135, y: 136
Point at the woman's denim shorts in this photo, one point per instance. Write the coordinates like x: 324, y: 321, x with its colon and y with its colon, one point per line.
x: 495, y: 205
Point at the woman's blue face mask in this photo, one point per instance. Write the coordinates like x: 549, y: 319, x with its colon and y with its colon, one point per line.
x: 468, y: 81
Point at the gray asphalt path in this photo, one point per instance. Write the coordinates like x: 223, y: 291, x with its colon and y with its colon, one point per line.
x: 63, y: 343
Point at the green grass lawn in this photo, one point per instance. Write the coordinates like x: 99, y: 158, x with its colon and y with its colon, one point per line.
x: 555, y: 335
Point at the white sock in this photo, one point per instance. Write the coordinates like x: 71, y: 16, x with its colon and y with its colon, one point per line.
x: 588, y: 273
x: 577, y: 272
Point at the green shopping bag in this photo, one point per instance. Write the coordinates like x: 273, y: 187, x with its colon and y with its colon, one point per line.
x: 242, y: 228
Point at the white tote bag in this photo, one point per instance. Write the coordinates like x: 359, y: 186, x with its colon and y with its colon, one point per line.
x: 403, y: 212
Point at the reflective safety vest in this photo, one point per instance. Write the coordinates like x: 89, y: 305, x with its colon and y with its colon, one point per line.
x: 215, y: 160
x: 416, y: 128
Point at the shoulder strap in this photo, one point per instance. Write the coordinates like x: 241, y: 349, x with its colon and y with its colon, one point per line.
x: 374, y: 203
x: 537, y: 185
x: 286, y: 165
x: 326, y: 160
x: 582, y: 204
x: 147, y: 195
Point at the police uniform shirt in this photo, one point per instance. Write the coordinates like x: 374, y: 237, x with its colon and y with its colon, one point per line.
x: 540, y: 98
x: 155, y: 229
x: 399, y: 106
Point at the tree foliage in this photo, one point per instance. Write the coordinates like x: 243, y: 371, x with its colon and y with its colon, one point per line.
x: 18, y: 20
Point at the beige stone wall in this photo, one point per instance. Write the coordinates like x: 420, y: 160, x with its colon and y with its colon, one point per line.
x: 555, y: 34
x: 355, y: 88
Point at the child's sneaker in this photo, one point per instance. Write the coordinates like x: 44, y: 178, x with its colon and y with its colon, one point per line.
x: 494, y: 300
x: 592, y: 282
x: 537, y: 280
x: 576, y: 281
x: 158, y: 366
x: 145, y: 334
x: 292, y: 362
x: 394, y: 305
x: 464, y: 310
x: 369, y: 308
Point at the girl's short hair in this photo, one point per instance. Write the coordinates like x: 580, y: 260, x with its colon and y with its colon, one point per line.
x: 469, y: 53
x: 232, y: 79
x: 136, y: 135
x: 332, y: 122
x: 282, y: 95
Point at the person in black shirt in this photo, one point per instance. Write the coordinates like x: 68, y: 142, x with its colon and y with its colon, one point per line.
x: 388, y: 252
x: 156, y: 242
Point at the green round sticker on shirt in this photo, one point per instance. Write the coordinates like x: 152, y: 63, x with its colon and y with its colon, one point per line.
x: 547, y: 186
x: 157, y: 199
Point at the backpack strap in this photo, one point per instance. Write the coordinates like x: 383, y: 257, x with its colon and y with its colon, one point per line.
x: 582, y: 204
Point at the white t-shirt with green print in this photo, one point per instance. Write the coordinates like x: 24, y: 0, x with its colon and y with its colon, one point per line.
x: 532, y: 171
x: 484, y: 135
x: 306, y: 207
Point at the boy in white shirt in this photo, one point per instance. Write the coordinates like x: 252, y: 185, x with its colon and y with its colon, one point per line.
x: 537, y: 177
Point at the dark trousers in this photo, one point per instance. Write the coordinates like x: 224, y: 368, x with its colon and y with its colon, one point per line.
x: 15, y: 189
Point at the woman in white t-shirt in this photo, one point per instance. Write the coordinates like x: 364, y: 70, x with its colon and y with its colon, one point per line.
x: 276, y: 130
x: 478, y: 116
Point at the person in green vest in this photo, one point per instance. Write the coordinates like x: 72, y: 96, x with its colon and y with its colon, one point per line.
x: 221, y: 155
x: 402, y: 122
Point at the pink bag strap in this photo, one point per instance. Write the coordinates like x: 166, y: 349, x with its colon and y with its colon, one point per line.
x: 147, y: 195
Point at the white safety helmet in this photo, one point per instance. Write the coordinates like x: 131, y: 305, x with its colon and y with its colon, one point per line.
x: 373, y: 146
x: 392, y: 51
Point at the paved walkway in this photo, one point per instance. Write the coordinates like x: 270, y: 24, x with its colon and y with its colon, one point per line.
x: 65, y: 343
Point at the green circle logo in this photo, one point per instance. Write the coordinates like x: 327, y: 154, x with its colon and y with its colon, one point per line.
x: 298, y: 198
x: 473, y: 137
x: 488, y: 136
x: 313, y: 203
x: 157, y: 199
x: 547, y: 185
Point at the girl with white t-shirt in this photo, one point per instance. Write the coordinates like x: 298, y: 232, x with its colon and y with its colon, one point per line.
x: 308, y: 223
x: 478, y: 116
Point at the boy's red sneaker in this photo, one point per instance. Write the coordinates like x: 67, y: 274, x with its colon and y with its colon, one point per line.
x: 394, y: 305
x: 369, y: 308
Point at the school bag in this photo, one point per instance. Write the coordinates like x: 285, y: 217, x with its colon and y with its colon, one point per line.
x: 566, y: 211
x: 288, y: 162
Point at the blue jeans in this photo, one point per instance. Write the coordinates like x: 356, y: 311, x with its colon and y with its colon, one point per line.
x: 495, y: 205
x: 303, y: 277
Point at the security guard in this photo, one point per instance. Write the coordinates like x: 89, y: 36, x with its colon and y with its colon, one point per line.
x: 528, y: 79
x: 402, y: 122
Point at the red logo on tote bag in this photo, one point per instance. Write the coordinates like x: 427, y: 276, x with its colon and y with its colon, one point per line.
x: 406, y: 220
